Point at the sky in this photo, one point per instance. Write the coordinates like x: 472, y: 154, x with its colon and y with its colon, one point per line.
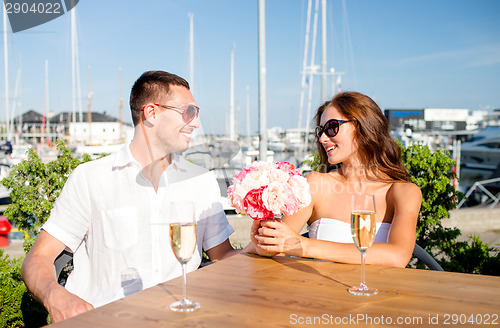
x: 404, y: 54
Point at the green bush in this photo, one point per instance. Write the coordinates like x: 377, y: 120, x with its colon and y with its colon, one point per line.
x: 34, y: 187
x: 432, y: 172
x: 17, y: 307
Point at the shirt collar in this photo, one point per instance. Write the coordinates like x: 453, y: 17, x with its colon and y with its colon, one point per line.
x: 124, y: 157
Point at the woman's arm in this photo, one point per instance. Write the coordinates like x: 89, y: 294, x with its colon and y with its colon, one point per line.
x: 405, y: 198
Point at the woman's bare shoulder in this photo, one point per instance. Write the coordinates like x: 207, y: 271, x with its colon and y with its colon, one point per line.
x: 319, y: 178
x: 405, y: 189
x: 314, y: 175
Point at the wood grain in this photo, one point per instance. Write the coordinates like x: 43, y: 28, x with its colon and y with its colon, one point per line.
x: 251, y: 291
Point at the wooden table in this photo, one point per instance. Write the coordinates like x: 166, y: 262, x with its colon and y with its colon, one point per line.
x: 250, y: 291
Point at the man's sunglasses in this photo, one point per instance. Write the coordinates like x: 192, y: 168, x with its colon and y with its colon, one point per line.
x: 331, y: 128
x: 189, y: 112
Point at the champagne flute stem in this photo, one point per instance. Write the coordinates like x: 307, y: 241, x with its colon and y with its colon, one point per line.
x: 363, y: 254
x: 184, y: 281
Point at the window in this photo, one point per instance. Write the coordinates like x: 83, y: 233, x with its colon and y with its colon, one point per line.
x: 491, y: 145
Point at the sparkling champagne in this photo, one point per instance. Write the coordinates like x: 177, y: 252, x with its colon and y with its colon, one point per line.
x: 363, y: 229
x: 183, y: 238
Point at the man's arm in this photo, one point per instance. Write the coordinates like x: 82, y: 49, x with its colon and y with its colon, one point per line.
x: 221, y: 251
x: 38, y: 273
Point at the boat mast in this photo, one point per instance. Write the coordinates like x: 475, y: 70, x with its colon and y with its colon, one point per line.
x: 120, y: 106
x: 323, y: 57
x: 89, y: 106
x: 262, y: 82
x: 45, y: 105
x: 78, y: 80
x: 232, y: 134
x: 191, y: 52
x: 75, y: 69
x: 6, y: 70
x: 73, y: 74
x: 47, y: 118
x: 304, y: 63
x: 17, y: 99
x: 312, y: 71
x: 248, y: 116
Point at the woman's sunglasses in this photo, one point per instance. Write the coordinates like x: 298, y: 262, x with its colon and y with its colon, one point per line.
x: 331, y: 128
x: 189, y: 112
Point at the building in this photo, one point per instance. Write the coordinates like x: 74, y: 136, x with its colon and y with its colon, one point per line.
x: 491, y: 118
x: 435, y: 127
x: 429, y: 119
x: 100, y: 129
x: 94, y: 129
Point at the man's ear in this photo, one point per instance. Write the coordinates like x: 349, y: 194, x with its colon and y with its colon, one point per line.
x: 149, y: 111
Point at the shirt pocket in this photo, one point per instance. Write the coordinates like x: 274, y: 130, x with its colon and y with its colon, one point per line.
x: 120, y: 228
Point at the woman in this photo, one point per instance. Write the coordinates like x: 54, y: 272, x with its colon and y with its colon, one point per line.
x: 357, y: 155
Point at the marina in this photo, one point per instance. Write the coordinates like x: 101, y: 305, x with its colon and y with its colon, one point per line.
x: 470, y: 136
x: 476, y: 151
x: 257, y: 72
x: 87, y: 130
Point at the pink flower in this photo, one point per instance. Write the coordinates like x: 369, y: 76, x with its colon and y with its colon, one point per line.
x: 254, y: 207
x: 263, y: 190
x: 288, y: 168
x: 241, y: 175
x: 279, y: 198
x: 277, y: 175
x: 300, y: 188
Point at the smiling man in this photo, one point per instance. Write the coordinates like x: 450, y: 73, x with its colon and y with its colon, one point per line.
x: 112, y: 212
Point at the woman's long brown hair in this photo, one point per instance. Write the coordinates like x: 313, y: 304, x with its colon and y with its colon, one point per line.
x: 378, y: 152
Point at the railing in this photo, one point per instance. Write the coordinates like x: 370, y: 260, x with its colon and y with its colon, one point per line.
x: 480, y: 185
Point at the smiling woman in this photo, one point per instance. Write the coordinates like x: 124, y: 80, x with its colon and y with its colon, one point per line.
x: 357, y: 155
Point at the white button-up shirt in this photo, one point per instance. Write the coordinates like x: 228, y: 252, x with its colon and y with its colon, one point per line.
x: 109, y: 215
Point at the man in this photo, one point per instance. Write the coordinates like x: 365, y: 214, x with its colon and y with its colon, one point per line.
x: 112, y: 212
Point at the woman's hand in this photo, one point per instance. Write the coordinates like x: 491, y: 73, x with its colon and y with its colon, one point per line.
x: 275, y: 236
x: 254, y: 233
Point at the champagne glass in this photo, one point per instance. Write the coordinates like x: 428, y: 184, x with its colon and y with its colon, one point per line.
x: 183, y: 241
x: 363, y: 232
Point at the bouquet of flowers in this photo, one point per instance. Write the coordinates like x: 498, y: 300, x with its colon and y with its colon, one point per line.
x: 264, y: 190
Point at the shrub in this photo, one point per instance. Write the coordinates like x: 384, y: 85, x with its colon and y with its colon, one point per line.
x: 17, y: 307
x: 34, y: 187
x: 432, y: 172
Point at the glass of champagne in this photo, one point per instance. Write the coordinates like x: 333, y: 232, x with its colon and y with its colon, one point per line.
x: 183, y: 241
x: 363, y: 232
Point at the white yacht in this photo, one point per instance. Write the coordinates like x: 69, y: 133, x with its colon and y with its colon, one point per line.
x: 482, y: 151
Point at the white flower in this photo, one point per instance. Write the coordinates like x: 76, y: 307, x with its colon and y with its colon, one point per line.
x: 276, y: 175
x: 300, y: 188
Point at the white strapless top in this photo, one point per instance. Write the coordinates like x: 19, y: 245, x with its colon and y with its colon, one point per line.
x: 340, y: 232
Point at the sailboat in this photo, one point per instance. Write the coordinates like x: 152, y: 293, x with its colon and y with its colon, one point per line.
x: 88, y: 142
x: 308, y: 74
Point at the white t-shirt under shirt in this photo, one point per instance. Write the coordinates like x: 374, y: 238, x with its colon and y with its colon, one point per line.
x: 109, y: 215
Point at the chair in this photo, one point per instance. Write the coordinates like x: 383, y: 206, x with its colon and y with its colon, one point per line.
x: 426, y: 258
x: 61, y: 261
